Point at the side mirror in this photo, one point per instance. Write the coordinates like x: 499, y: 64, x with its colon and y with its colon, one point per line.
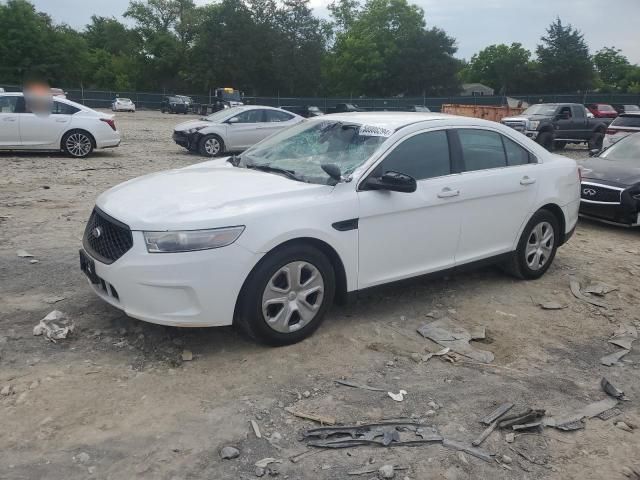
x: 593, y: 152
x: 393, y: 182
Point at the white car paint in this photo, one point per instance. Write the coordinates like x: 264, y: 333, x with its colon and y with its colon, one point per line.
x: 123, y: 105
x: 20, y: 130
x: 239, y: 136
x: 399, y: 235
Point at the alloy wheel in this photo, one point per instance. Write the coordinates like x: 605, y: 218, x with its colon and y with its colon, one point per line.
x: 539, y: 246
x: 78, y: 144
x: 212, y: 146
x: 292, y: 297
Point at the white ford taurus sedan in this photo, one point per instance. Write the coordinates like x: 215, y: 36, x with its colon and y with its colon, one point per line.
x: 269, y: 239
x: 68, y: 126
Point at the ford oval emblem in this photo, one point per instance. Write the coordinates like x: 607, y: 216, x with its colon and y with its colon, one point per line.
x: 96, y: 232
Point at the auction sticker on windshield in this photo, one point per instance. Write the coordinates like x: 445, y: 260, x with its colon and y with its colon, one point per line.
x: 373, y: 131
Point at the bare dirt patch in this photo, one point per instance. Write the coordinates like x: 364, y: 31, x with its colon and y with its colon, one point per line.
x: 116, y: 400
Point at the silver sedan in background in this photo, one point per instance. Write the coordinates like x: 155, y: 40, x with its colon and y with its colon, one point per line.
x: 232, y: 129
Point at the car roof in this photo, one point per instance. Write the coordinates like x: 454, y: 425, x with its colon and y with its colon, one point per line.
x: 393, y: 120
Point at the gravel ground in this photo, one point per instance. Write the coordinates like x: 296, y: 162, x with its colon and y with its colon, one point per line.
x: 115, y: 400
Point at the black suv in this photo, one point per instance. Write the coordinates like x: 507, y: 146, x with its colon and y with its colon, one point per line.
x: 173, y: 104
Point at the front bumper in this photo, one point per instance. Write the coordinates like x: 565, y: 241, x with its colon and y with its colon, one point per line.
x: 615, y: 213
x: 191, y: 289
x: 532, y: 134
x: 184, y: 139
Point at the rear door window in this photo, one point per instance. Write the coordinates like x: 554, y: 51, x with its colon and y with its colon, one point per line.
x: 60, y: 108
x: 250, y: 116
x: 481, y: 149
x: 425, y: 155
x: 516, y: 155
x: 276, y: 116
x: 8, y: 104
x: 632, y: 121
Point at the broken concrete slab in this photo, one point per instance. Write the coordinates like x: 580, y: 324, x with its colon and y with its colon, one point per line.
x: 599, y: 288
x: 624, y: 336
x: 613, y: 358
x: 55, y: 326
x: 449, y: 333
x: 574, y: 284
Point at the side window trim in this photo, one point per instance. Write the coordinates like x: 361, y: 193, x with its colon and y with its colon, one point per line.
x: 372, y: 168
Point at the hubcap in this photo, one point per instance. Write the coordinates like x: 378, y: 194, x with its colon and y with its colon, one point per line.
x: 212, y: 146
x: 78, y: 145
x: 292, y: 297
x: 539, y: 246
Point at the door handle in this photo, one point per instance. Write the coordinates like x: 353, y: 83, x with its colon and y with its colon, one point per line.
x: 61, y: 120
x: 9, y: 119
x: 526, y: 180
x: 446, y: 192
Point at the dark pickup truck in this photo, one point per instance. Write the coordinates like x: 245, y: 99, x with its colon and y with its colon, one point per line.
x: 554, y: 125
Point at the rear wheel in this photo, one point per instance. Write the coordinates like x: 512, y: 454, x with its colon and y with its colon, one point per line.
x: 211, y: 145
x: 77, y: 143
x: 287, y: 295
x: 537, y: 246
x: 545, y: 139
x: 559, y: 145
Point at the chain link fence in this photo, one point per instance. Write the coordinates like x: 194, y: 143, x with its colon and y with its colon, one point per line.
x: 152, y: 100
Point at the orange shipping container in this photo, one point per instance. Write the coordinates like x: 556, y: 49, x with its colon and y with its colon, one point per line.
x: 486, y: 112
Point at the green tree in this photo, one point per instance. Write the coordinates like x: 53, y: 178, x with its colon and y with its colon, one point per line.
x: 387, y: 50
x: 612, y: 68
x: 564, y: 59
x: 505, y: 68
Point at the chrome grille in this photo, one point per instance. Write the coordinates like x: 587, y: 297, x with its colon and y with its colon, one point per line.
x: 516, y: 125
x: 597, y: 193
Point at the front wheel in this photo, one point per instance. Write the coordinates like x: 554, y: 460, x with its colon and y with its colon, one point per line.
x: 211, y: 145
x: 537, y: 246
x: 77, y: 144
x: 596, y: 141
x: 287, y: 295
x: 545, y: 139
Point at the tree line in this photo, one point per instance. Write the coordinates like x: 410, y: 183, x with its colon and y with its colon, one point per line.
x: 269, y: 48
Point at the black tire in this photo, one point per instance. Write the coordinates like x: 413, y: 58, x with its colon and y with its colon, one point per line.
x: 519, y: 264
x: 163, y: 110
x: 559, y: 145
x: 545, y: 139
x: 250, y: 316
x: 595, y: 142
x: 206, y: 146
x: 77, y: 143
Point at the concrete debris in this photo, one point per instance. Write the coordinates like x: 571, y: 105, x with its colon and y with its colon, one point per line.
x: 82, y: 457
x: 510, y: 437
x: 613, y: 358
x: 591, y: 410
x: 553, y: 305
x: 611, y: 390
x: 227, y: 453
x: 55, y: 326
x: 574, y: 284
x: 398, y: 397
x: 439, y: 353
x: 256, y: 428
x: 33, y: 260
x: 265, y: 462
x: 449, y: 333
x: 599, y: 288
x: 387, y: 471
x: 53, y: 299
x: 505, y: 314
x: 624, y: 426
x: 24, y: 254
x: 624, y: 336
x: 483, y: 436
x: 187, y: 356
x: 6, y: 390
x: 259, y: 472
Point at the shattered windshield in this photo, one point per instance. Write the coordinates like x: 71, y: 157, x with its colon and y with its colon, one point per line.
x: 303, y: 149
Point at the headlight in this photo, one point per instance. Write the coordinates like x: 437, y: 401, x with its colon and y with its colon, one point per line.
x: 194, y: 129
x: 191, y: 240
x: 533, y: 125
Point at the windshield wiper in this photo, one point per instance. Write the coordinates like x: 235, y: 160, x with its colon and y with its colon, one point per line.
x: 268, y: 168
x: 234, y: 160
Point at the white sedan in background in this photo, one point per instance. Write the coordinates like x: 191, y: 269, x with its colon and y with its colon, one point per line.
x: 69, y: 127
x: 123, y: 105
x: 232, y: 129
x: 337, y: 204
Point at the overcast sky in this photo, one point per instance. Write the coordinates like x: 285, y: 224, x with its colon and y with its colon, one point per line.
x: 474, y: 23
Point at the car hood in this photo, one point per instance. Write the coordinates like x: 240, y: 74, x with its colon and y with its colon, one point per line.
x: 192, y: 124
x: 197, y: 197
x: 610, y: 172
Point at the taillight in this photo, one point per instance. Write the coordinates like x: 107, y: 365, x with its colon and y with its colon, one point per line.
x: 109, y: 122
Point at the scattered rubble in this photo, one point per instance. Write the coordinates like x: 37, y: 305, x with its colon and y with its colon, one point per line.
x: 356, y: 385
x: 553, y: 305
x: 623, y: 337
x: 574, y: 284
x: 398, y: 397
x: 24, y: 254
x: 265, y: 462
x: 611, y: 390
x: 497, y: 413
x: 322, y: 419
x: 624, y: 426
x: 387, y: 471
x: 187, y: 356
x: 227, y: 453
x: 55, y: 326
x: 449, y: 333
x: 599, y: 288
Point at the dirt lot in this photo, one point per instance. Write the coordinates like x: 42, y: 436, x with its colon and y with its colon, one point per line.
x: 115, y: 400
